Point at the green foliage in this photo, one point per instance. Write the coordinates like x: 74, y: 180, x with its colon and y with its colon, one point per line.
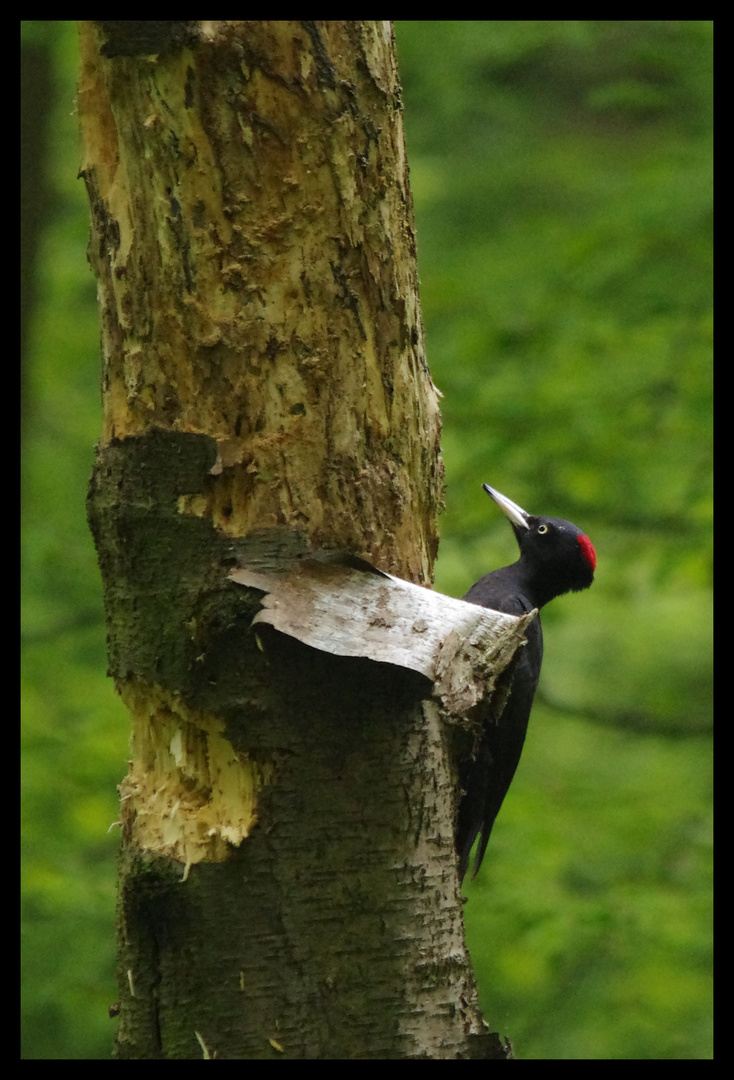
x: 562, y: 179
x: 75, y: 731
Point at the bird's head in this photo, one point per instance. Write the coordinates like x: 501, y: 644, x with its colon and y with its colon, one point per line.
x: 556, y: 556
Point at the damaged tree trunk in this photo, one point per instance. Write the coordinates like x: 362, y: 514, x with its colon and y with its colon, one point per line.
x: 288, y: 879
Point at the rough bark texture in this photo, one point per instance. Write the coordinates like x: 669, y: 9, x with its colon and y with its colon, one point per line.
x: 288, y: 879
x: 255, y: 255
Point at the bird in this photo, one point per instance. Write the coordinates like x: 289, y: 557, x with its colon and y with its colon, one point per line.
x: 556, y: 557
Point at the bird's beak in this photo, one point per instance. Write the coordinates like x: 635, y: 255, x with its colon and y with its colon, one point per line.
x: 515, y: 513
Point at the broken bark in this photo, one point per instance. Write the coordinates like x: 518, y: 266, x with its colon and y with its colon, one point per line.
x: 353, y: 611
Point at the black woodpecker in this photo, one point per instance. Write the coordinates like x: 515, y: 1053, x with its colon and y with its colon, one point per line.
x: 555, y: 558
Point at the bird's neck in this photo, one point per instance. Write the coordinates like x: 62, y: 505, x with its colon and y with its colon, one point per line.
x: 530, y: 583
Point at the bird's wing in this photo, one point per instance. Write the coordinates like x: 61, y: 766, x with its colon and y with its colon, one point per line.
x: 486, y: 777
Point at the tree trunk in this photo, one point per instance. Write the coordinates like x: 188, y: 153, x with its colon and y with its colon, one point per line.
x: 287, y: 874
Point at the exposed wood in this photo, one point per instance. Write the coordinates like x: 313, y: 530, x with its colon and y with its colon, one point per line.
x: 254, y: 248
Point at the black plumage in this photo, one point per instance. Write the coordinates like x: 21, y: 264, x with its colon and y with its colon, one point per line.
x: 555, y: 558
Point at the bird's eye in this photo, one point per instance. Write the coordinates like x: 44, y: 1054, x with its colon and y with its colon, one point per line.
x: 542, y: 529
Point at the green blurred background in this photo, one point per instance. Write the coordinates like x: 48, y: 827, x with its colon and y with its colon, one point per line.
x: 562, y: 179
